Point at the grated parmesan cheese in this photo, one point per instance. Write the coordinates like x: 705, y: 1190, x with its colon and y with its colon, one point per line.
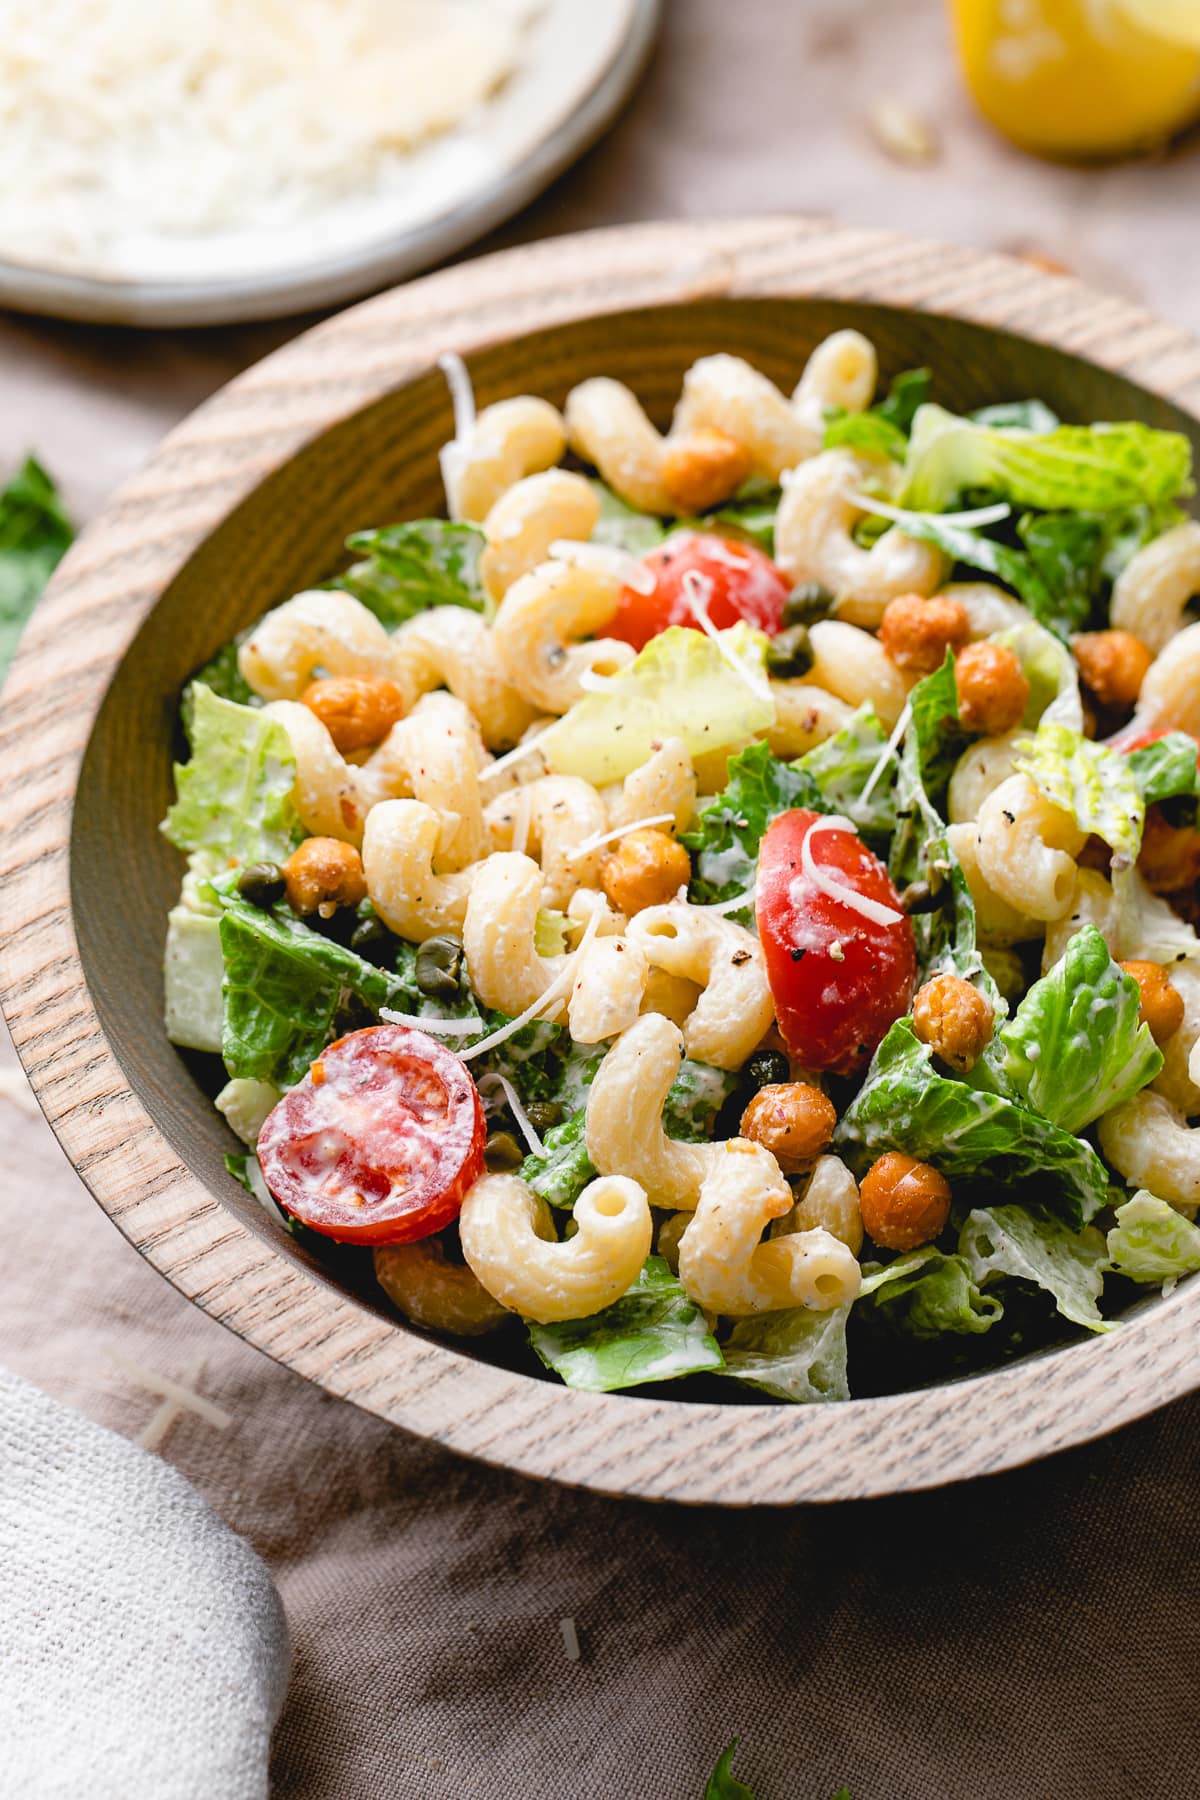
x: 828, y: 883
x: 127, y: 118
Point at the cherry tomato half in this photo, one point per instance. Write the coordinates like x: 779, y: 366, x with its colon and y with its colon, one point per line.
x: 380, y: 1141
x: 839, y: 979
x: 737, y: 582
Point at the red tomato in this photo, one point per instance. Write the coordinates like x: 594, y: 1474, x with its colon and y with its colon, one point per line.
x: 1142, y: 738
x: 380, y: 1141
x: 737, y: 582
x: 839, y: 979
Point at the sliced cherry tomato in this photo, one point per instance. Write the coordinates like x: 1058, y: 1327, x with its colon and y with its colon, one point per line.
x: 738, y: 582
x: 1140, y: 741
x: 839, y: 978
x: 380, y: 1141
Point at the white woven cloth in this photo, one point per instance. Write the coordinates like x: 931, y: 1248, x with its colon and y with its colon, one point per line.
x: 143, y: 1647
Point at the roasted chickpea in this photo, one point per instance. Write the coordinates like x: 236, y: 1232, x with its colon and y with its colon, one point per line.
x: 322, y: 875
x: 793, y: 1121
x: 904, y: 1202
x: 703, y: 469
x: 645, y: 868
x: 1162, y: 1004
x: 1112, y: 666
x: 916, y: 633
x: 1169, y: 861
x: 992, y: 689
x: 954, y: 1019
x: 356, y: 710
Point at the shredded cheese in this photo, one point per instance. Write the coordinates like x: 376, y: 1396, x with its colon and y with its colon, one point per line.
x: 530, y: 747
x: 605, y: 559
x: 562, y: 981
x: 524, y: 1125
x: 980, y: 515
x: 600, y: 838
x: 522, y: 820
x: 888, y: 751
x: 128, y: 120
x: 699, y: 592
x: 435, y: 1027
x: 733, y: 904
x: 828, y: 884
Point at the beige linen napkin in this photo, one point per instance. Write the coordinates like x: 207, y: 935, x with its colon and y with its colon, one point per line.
x: 143, y: 1647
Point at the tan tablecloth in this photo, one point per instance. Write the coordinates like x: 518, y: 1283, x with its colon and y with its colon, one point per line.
x: 1032, y: 1636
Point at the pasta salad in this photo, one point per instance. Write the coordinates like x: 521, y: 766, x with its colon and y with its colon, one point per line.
x: 721, y: 903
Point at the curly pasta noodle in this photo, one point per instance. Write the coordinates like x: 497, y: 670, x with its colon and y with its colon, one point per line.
x: 508, y: 1241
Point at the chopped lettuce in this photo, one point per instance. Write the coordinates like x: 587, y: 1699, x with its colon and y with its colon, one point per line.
x: 550, y: 932
x: 1167, y: 768
x: 1052, y: 674
x: 796, y: 1355
x: 1152, y: 1242
x: 222, y: 674
x: 694, y: 1100
x: 621, y: 526
x: 1084, y: 468
x: 1007, y: 1240
x: 680, y: 685
x: 1093, y: 783
x: 652, y: 1333
x: 883, y: 429
x: 234, y: 794
x: 1030, y: 415
x: 34, y: 534
x: 192, y: 979
x: 405, y: 569
x: 725, y: 837
x: 749, y: 515
x: 927, y: 1293
x: 288, y: 991
x: 1075, y: 1048
x: 841, y: 768
x: 968, y: 1134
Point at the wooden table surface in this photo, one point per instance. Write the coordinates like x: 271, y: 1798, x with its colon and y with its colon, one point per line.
x: 758, y: 108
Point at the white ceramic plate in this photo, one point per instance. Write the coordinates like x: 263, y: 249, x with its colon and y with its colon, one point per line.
x: 581, y: 59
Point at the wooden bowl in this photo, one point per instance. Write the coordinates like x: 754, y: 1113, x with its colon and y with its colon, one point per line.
x: 248, y: 501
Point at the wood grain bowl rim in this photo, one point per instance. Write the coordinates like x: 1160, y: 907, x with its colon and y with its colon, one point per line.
x: 111, y: 579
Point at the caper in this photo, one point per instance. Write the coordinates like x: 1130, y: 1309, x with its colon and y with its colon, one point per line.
x: 262, y: 884
x: 766, y: 1068
x: 807, y: 603
x: 439, y: 967
x: 502, y: 1153
x: 790, y: 654
x: 372, y: 939
x: 543, y: 1114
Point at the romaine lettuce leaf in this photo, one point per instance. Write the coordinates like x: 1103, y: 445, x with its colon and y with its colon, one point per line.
x: 222, y: 674
x: 1152, y: 1242
x: 883, y: 429
x: 695, y: 1098
x: 405, y: 569
x: 192, y: 979
x: 235, y: 791
x: 1030, y: 415
x: 1093, y: 783
x: 1166, y: 768
x: 1075, y: 1048
x: 680, y: 685
x: 34, y: 534
x: 841, y: 768
x: 1074, y: 468
x: 729, y: 827
x: 748, y: 516
x: 1007, y: 1240
x: 1052, y: 674
x: 652, y: 1333
x: 561, y: 1175
x: 926, y: 1294
x: 622, y: 527
x: 796, y: 1355
x: 968, y: 1134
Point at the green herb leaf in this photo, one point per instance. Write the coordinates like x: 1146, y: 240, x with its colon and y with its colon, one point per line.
x: 652, y: 1333
x: 722, y: 1783
x: 729, y: 827
x: 234, y: 793
x: 796, y: 1355
x: 968, y: 1134
x: 34, y: 533
x: 405, y: 569
x: 1075, y: 1048
x: 1008, y: 1240
x: 1152, y: 1242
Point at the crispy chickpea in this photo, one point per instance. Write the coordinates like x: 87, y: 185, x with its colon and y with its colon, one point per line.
x: 992, y: 689
x: 916, y: 633
x: 954, y: 1019
x: 1169, y: 861
x: 703, y: 469
x: 645, y: 868
x: 1112, y: 666
x: 323, y: 874
x: 1162, y: 1004
x: 356, y: 710
x: 793, y: 1121
x: 904, y: 1203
